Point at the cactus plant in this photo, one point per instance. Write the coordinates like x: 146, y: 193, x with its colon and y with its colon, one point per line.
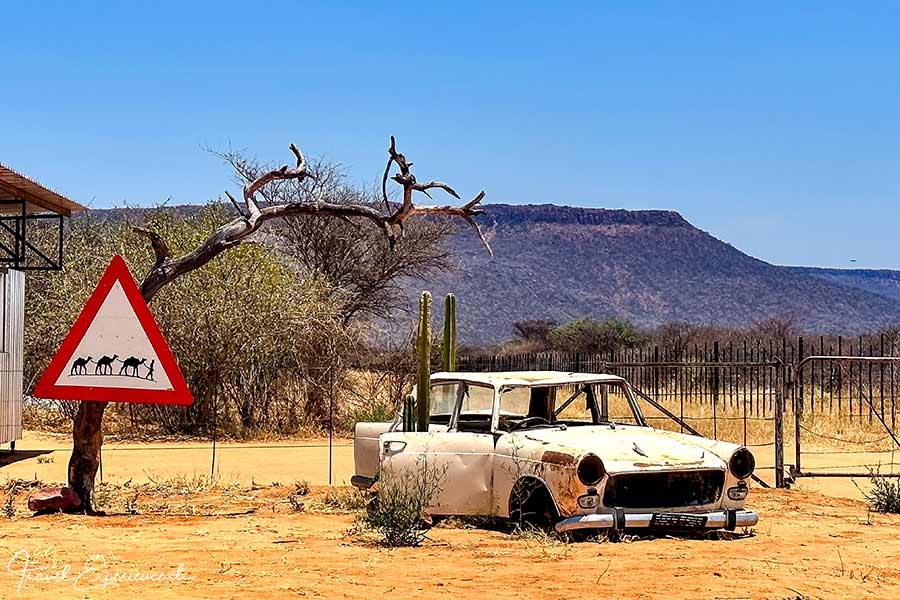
x: 423, y: 348
x: 409, y: 413
x: 450, y: 333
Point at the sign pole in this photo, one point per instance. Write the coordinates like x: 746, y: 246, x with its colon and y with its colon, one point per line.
x: 212, y: 468
x: 330, y: 421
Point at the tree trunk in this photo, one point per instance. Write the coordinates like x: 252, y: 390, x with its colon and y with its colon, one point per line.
x: 87, y: 434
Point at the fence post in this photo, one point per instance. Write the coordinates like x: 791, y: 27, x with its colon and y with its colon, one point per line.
x: 798, y: 408
x: 656, y: 372
x: 780, y: 395
x: 716, y: 394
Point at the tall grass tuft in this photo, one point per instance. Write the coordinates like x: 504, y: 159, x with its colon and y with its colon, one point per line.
x: 884, y: 497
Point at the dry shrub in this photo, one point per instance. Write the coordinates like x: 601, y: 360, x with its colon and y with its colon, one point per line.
x: 338, y: 500
x: 403, y: 498
x: 884, y: 497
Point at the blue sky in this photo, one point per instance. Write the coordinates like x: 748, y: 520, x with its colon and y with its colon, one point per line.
x: 773, y: 127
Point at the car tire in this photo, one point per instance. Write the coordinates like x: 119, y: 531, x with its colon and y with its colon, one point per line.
x: 530, y: 504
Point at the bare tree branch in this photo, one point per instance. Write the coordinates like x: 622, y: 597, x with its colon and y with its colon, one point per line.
x: 407, y: 209
x: 424, y: 187
x: 234, y: 202
x: 301, y: 171
x: 160, y: 248
x: 238, y: 230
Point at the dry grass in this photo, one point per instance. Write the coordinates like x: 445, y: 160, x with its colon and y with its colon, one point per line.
x: 197, y: 495
x: 818, y: 429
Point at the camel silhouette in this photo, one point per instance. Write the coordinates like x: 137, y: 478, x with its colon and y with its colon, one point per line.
x: 79, y: 366
x: 130, y: 366
x: 104, y: 365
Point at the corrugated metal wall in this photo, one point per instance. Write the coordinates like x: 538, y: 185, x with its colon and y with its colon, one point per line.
x: 12, y: 286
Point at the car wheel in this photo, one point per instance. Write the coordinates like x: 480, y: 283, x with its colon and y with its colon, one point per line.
x: 530, y: 504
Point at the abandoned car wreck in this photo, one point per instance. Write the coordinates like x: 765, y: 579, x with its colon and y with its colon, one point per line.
x: 570, y: 451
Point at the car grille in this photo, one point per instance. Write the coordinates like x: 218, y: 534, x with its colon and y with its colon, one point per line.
x: 665, y: 489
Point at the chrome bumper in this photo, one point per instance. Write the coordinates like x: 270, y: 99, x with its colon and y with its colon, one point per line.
x: 722, y: 519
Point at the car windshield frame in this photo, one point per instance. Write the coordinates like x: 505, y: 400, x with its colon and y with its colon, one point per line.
x: 584, y: 389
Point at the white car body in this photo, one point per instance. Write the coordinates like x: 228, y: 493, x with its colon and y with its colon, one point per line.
x: 649, y: 477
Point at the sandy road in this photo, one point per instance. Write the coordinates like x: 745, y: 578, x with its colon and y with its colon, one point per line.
x: 45, y: 457
x: 247, y: 541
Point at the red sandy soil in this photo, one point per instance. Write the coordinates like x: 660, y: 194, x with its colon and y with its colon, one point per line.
x: 807, y: 545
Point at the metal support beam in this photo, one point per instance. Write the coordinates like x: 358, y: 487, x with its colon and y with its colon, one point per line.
x: 18, y: 246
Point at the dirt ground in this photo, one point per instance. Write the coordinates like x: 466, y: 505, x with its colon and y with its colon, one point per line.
x: 242, y: 539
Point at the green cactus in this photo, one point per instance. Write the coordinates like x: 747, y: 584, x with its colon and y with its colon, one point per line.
x: 409, y: 413
x: 423, y: 348
x: 450, y: 333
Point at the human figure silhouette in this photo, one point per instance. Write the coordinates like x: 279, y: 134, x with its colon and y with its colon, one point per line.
x: 150, y: 370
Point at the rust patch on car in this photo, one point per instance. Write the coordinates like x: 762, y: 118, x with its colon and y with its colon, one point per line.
x: 558, y: 458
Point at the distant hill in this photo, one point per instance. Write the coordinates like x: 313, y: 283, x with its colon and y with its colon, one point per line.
x: 878, y: 281
x: 648, y: 266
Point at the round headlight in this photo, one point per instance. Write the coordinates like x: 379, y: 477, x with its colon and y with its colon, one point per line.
x: 742, y: 463
x: 591, y: 469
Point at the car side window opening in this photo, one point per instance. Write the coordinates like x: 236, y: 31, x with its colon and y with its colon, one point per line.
x: 475, y: 406
x: 443, y: 401
x: 520, y: 403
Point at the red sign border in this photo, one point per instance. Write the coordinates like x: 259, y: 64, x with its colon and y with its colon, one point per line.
x: 47, y: 388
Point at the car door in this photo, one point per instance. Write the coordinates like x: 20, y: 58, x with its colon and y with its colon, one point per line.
x: 455, y: 463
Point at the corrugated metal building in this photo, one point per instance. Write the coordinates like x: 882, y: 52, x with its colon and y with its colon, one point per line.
x: 31, y: 238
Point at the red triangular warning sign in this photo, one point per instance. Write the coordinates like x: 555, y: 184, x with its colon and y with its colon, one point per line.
x: 115, y: 351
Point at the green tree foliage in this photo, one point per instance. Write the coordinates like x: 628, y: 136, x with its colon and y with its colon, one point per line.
x: 590, y: 336
x: 534, y: 330
x: 248, y: 332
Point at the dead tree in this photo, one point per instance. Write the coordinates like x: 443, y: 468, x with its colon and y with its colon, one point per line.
x: 87, y: 430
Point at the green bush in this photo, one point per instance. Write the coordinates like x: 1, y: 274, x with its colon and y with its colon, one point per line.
x: 595, y: 337
x: 884, y: 497
x: 397, y: 512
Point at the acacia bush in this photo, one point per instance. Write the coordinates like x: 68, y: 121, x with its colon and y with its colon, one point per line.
x: 595, y: 337
x: 249, y: 333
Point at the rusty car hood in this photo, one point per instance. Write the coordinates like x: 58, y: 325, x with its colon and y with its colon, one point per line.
x: 627, y: 448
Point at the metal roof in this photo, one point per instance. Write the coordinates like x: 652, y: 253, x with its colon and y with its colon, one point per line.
x: 526, y: 378
x: 15, y: 186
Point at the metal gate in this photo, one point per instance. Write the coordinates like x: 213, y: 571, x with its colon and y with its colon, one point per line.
x: 845, y: 416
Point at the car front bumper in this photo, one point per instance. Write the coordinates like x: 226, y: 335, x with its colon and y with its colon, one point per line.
x: 721, y: 519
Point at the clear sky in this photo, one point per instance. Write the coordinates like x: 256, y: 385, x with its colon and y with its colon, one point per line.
x: 773, y: 126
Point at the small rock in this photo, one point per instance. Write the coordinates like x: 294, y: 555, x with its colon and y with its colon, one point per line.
x: 53, y: 499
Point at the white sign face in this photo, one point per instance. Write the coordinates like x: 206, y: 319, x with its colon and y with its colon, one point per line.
x: 115, y: 351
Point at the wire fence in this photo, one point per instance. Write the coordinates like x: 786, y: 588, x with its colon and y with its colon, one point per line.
x: 743, y: 375
x: 840, y: 394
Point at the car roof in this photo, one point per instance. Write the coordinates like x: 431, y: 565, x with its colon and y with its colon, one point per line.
x: 526, y: 378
